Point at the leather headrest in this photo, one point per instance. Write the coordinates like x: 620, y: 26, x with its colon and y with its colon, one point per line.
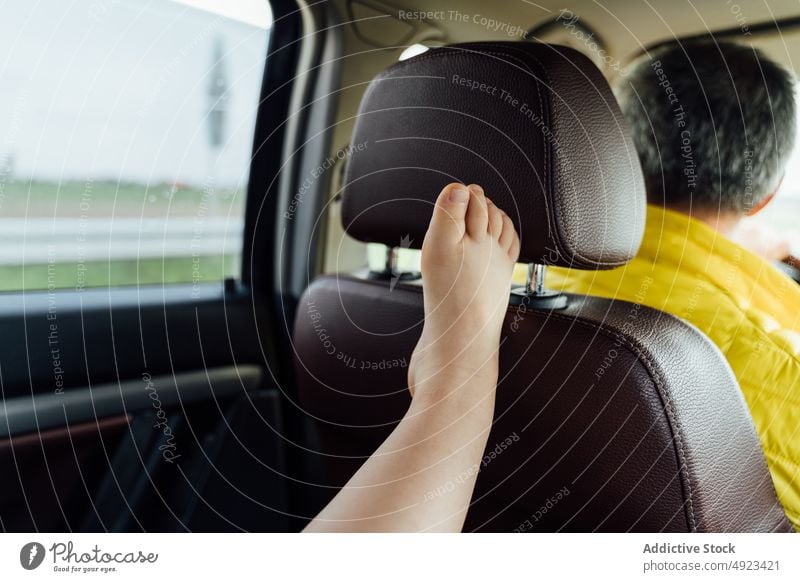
x: 536, y: 125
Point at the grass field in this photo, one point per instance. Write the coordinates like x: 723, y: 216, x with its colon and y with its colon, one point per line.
x: 97, y: 199
x: 106, y: 199
x: 117, y: 273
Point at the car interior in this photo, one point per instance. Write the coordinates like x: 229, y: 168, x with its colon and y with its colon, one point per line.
x: 160, y: 375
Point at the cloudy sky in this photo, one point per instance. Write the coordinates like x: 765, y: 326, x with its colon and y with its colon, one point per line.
x: 119, y: 89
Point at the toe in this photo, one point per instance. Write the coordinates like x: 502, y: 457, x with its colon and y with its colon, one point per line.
x: 495, y: 220
x: 508, y: 233
x: 477, y: 219
x: 449, y: 213
x: 513, y: 250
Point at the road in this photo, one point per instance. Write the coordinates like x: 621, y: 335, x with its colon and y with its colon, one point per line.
x: 76, y: 240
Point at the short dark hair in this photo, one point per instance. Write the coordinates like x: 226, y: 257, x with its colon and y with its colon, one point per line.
x: 713, y: 123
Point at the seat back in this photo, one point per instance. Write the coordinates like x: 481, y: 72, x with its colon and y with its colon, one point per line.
x: 610, y: 416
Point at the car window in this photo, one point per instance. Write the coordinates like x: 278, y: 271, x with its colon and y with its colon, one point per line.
x: 780, y: 215
x: 126, y: 132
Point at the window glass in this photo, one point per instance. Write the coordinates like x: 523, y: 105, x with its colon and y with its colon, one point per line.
x: 780, y: 215
x: 126, y: 132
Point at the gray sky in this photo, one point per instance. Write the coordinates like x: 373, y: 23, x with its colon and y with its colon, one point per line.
x: 118, y: 89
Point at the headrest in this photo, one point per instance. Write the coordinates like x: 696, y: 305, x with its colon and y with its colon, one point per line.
x: 536, y: 125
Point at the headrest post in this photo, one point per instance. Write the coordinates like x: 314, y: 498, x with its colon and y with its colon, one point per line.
x: 534, y: 294
x: 391, y: 260
x: 391, y: 271
x: 535, y: 282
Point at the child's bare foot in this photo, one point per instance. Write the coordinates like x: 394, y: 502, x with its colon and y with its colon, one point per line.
x: 467, y: 259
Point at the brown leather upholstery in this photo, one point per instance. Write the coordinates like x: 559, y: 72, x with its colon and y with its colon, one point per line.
x: 631, y: 410
x: 610, y: 416
x: 545, y: 137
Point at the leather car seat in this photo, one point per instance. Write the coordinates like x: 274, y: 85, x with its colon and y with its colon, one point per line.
x: 610, y: 416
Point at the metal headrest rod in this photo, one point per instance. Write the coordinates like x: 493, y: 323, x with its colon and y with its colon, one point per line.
x: 391, y: 272
x: 534, y: 294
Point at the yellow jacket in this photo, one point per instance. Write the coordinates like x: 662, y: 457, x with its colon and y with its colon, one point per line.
x: 749, y: 309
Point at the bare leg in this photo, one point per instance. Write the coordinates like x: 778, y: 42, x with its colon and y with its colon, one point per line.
x: 422, y: 477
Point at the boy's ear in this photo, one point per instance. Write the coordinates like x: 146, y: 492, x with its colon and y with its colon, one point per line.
x: 765, y: 201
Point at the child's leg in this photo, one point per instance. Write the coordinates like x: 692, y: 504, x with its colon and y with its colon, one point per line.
x: 421, y: 478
